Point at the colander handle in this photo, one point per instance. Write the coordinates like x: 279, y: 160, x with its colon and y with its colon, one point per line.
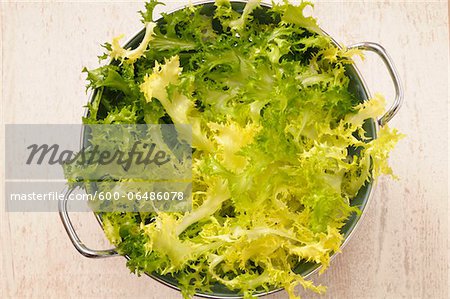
x: 87, y: 252
x: 381, y: 52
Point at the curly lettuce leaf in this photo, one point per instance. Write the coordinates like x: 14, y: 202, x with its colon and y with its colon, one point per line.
x: 280, y: 146
x: 130, y: 56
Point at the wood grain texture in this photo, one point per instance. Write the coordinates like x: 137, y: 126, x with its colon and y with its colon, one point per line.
x: 400, y: 249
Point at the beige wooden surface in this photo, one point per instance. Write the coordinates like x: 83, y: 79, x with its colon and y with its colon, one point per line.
x: 400, y: 249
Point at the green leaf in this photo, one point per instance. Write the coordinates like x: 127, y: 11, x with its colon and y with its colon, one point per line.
x: 280, y: 145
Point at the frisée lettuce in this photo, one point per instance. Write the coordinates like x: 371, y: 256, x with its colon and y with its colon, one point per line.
x: 279, y: 143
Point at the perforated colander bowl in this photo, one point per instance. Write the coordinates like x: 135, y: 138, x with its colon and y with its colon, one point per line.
x: 357, y: 86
